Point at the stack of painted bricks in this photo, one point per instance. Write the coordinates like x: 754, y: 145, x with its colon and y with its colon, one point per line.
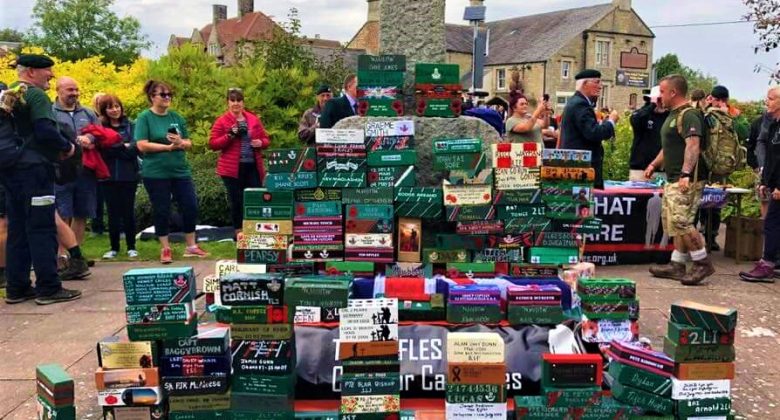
x: 641, y: 377
x: 196, y: 374
x: 538, y: 304
x: 315, y: 299
x: 474, y: 303
x: 604, y: 298
x: 438, y: 90
x: 700, y: 340
x: 160, y: 306
x: 262, y: 344
x: 55, y: 397
x: 567, y: 185
x: 369, y: 354
x: 476, y: 376
x: 571, y: 389
x: 380, y: 85
x: 267, y: 227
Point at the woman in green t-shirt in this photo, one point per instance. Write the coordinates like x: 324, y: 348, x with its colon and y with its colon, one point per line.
x: 161, y: 135
x: 522, y: 127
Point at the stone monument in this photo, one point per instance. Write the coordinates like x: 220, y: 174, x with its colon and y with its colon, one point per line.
x: 415, y: 28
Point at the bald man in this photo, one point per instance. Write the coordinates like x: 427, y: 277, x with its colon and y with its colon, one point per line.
x: 76, y: 199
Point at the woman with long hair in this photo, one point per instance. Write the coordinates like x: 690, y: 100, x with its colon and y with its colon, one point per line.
x: 161, y: 135
x: 239, y: 136
x: 120, y: 188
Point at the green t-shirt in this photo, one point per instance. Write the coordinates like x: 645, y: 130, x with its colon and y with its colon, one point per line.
x: 535, y: 135
x: 162, y: 165
x: 37, y: 106
x: 674, y: 144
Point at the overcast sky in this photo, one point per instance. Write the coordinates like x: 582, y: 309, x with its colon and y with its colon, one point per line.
x: 725, y: 51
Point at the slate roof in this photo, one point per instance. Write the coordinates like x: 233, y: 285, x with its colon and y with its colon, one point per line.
x: 532, y: 38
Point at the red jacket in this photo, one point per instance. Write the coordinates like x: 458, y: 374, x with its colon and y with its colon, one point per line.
x: 91, y: 158
x: 230, y: 147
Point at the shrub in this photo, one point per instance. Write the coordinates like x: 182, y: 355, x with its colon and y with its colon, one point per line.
x: 617, y: 152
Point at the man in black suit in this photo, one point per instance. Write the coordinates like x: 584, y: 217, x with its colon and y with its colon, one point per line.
x: 579, y: 127
x: 342, y: 107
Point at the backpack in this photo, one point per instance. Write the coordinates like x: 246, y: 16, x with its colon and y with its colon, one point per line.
x: 11, y: 143
x: 722, y: 151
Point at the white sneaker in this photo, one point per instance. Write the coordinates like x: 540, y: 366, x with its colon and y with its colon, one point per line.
x: 110, y: 255
x: 132, y: 253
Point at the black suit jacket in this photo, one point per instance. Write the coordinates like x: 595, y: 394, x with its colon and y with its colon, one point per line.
x: 580, y: 130
x: 335, y: 110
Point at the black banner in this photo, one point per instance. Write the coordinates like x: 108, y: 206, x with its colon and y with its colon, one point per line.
x: 631, y: 230
x: 423, y: 355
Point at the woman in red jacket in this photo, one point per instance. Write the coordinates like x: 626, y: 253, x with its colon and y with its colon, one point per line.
x: 239, y: 136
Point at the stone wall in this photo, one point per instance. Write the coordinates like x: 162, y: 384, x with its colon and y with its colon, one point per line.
x: 428, y: 129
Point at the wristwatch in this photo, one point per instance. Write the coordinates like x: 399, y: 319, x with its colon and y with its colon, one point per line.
x: 685, y: 175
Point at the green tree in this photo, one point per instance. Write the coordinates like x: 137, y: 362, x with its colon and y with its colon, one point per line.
x: 670, y: 64
x: 11, y: 35
x: 765, y: 15
x: 77, y: 29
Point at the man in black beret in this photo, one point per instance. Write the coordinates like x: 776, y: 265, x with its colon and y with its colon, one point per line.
x: 579, y: 127
x: 29, y: 184
x: 310, y: 121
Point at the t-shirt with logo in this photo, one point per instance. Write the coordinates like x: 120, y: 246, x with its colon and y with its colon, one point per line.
x: 674, y: 144
x: 154, y: 128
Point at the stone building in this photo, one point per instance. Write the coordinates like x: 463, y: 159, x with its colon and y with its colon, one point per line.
x: 223, y: 36
x: 546, y: 51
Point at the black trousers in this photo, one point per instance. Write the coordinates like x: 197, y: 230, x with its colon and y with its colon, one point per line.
x: 120, y: 204
x: 248, y: 177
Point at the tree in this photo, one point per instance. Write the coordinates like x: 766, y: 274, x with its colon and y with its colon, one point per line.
x: 11, y: 35
x: 77, y: 29
x: 670, y: 64
x: 765, y: 15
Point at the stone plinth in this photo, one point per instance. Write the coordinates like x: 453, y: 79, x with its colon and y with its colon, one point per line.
x: 428, y: 129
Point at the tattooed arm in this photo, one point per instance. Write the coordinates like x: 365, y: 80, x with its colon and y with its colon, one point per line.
x: 691, y: 154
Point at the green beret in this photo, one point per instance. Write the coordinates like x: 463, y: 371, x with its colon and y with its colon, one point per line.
x: 588, y: 74
x: 34, y: 61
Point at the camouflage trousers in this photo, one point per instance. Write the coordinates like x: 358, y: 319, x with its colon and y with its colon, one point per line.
x: 679, y: 208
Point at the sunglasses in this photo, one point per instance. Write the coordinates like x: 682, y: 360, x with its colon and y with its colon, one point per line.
x: 165, y: 95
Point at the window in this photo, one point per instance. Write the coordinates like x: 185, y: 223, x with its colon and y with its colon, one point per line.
x: 604, y: 98
x: 565, y: 69
x: 603, y: 50
x: 501, y: 79
x: 561, y: 98
x: 632, y: 101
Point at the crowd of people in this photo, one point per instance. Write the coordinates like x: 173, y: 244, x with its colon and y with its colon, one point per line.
x: 75, y: 158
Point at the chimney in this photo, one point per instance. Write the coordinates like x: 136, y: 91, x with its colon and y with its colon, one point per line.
x: 622, y: 4
x: 476, y: 3
x: 374, y: 10
x: 219, y: 13
x: 245, y: 7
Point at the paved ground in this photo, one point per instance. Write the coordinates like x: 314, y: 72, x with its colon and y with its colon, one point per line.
x: 67, y: 333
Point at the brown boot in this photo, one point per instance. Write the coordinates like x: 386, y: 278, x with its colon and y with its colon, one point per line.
x: 674, y: 270
x: 700, y: 271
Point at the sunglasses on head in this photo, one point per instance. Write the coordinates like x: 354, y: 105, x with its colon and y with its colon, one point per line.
x: 166, y: 95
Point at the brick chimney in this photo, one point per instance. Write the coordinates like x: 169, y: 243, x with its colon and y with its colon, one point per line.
x: 622, y: 4
x: 245, y: 7
x: 219, y: 13
x: 374, y: 7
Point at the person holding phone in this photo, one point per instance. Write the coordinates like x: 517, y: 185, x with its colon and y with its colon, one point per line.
x: 523, y: 127
x: 161, y: 136
x: 239, y: 136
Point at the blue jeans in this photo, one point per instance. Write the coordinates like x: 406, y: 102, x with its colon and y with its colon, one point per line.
x: 32, y: 233
x: 183, y: 192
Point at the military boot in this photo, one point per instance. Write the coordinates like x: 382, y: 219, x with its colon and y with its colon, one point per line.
x: 674, y: 270
x: 700, y: 271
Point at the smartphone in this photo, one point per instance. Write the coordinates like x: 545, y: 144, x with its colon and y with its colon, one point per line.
x: 173, y: 130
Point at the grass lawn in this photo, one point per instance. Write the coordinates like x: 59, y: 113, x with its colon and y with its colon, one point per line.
x: 94, y: 247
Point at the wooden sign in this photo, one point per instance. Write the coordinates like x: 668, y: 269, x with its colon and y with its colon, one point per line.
x: 566, y: 157
x: 290, y: 160
x: 159, y: 285
x: 381, y: 129
x: 391, y: 176
x: 280, y: 242
x: 318, y: 194
x: 516, y: 178
x: 459, y: 161
x: 431, y: 195
x: 290, y: 181
x: 339, y: 136
x: 252, y: 289
x: 336, y: 164
x: 267, y: 227
x: 369, y: 240
x: 475, y: 347
x: 574, y: 174
x: 409, y: 239
x: 370, y: 195
x: 342, y: 179
x: 436, y: 73
x: 449, y: 146
x: 511, y: 155
x: 466, y: 195
x: 392, y: 158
